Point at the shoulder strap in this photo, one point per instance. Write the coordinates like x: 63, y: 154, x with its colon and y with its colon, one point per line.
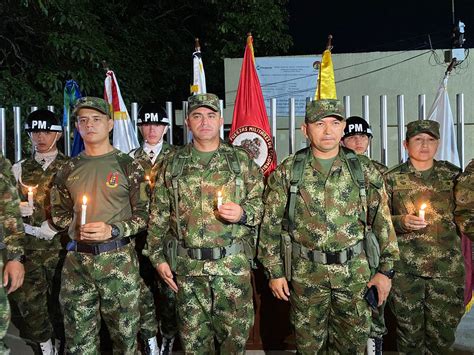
x: 177, y: 167
x: 297, y: 170
x: 234, y: 166
x: 355, y: 168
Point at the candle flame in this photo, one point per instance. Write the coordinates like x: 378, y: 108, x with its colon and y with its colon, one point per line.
x: 84, y: 200
x: 30, y: 189
x: 423, y: 206
x: 147, y: 178
x: 219, y: 194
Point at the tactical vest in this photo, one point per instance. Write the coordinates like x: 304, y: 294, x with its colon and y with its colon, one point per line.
x: 301, y: 157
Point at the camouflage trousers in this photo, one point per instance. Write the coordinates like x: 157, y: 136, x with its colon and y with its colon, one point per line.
x: 36, y: 309
x: 148, y: 321
x: 104, y: 285
x: 428, y: 311
x: 328, y: 310
x: 377, y: 327
x: 4, y: 313
x: 167, y: 310
x: 219, y: 307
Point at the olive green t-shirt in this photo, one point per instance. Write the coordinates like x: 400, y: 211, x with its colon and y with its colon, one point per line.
x: 326, y: 164
x: 203, y: 157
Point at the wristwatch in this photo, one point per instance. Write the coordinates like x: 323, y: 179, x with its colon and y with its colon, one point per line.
x: 20, y: 258
x: 115, y: 232
x: 243, y: 219
x: 390, y: 273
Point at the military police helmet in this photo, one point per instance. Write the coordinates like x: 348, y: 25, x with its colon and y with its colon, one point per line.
x: 357, y: 125
x: 152, y: 114
x: 42, y: 120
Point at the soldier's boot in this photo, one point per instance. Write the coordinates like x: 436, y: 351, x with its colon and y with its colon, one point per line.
x: 374, y: 346
x: 151, y: 347
x: 47, y: 348
x: 166, y: 345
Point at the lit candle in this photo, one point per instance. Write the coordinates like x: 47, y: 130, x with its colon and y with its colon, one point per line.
x: 421, y: 212
x: 147, y: 179
x: 219, y: 199
x: 30, y: 197
x: 83, y: 210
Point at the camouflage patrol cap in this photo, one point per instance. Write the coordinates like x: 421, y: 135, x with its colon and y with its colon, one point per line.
x: 203, y: 100
x: 319, y: 109
x: 422, y: 126
x: 95, y: 103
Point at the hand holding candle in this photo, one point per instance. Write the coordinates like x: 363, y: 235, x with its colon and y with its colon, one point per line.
x: 83, y: 210
x: 30, y: 197
x: 147, y: 179
x: 219, y: 199
x: 421, y: 212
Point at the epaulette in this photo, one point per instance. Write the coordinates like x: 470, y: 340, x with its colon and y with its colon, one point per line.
x: 393, y: 168
x: 449, y: 165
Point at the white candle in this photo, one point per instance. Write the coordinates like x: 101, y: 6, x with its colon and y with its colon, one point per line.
x: 421, y: 212
x: 83, y: 210
x: 30, y: 196
x: 219, y: 199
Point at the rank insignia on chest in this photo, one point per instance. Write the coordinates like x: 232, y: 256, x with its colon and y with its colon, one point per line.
x: 112, y: 179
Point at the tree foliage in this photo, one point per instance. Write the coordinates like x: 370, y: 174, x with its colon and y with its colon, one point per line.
x: 148, y: 43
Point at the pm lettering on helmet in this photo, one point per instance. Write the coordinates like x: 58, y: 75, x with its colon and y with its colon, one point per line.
x: 151, y: 116
x: 357, y: 127
x: 38, y: 125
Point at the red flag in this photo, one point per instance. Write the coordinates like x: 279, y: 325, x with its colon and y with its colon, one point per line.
x: 469, y: 286
x: 250, y: 127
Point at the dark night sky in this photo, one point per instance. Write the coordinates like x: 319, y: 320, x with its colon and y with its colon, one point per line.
x: 376, y: 25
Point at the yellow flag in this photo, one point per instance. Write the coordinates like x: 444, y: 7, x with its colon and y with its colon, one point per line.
x: 326, y: 88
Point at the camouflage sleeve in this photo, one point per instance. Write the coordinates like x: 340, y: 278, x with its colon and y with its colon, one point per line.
x: 380, y: 219
x: 12, y: 225
x: 62, y: 205
x: 138, y: 195
x: 396, y: 219
x: 275, y: 199
x: 252, y: 203
x: 159, y: 223
x: 464, y: 196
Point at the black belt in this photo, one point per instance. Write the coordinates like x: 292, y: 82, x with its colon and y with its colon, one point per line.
x: 327, y: 258
x: 96, y: 249
x: 210, y: 253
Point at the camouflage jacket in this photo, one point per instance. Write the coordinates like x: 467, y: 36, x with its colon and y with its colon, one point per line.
x: 116, y: 190
x: 143, y: 159
x: 380, y: 167
x: 33, y: 175
x: 464, y: 193
x: 12, y: 236
x: 434, y: 251
x: 200, y: 228
x: 327, y: 213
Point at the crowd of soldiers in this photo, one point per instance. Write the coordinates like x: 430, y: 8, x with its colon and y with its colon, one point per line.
x: 98, y: 238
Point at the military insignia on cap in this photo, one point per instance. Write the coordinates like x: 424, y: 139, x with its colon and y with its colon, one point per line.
x: 112, y: 179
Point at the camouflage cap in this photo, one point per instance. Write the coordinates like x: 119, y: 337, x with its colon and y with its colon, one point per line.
x: 422, y: 126
x: 319, y: 109
x: 95, y: 103
x: 207, y: 100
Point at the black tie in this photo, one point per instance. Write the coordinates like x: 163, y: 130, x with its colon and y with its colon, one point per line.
x: 151, y: 154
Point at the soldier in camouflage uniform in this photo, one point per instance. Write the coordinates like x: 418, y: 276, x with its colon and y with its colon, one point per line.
x: 153, y: 125
x: 330, y: 272
x: 427, y: 295
x: 464, y: 194
x: 358, y: 136
x: 214, y: 237
x: 100, y: 275
x: 11, y: 239
x: 38, y: 301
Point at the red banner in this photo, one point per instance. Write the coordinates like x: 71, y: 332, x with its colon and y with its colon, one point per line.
x: 250, y: 127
